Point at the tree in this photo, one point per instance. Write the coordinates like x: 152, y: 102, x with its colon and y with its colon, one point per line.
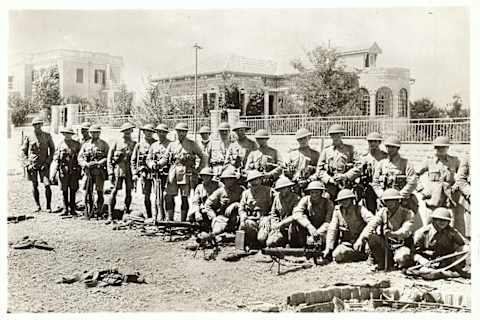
x: 19, y: 109
x: 152, y: 108
x: 232, y: 96
x: 124, y: 100
x: 425, y: 108
x: 255, y: 102
x: 46, y: 88
x: 326, y: 87
x: 456, y: 111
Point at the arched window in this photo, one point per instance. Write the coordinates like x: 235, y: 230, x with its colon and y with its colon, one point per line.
x: 403, y: 103
x: 364, y: 101
x: 383, y: 103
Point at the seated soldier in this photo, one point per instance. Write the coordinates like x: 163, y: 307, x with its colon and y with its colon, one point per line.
x: 438, y: 239
x: 348, y: 221
x: 222, y: 205
x: 311, y: 215
x: 254, y: 208
x: 391, y: 232
x: 202, y: 192
x: 280, y: 216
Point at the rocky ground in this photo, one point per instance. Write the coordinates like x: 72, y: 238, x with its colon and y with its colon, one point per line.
x: 176, y: 280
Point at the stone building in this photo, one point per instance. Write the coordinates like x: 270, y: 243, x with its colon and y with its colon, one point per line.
x: 82, y: 73
x: 386, y: 90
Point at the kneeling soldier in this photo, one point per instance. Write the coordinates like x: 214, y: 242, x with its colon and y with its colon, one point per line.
x: 348, y: 221
x: 281, y: 214
x: 255, y: 205
x: 390, y: 233
x: 438, y: 239
x: 222, y: 205
x: 311, y: 215
x: 200, y: 196
x: 65, y: 161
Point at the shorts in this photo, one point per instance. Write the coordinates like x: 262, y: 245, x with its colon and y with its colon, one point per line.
x: 98, y: 180
x: 173, y: 187
x: 44, y: 176
x: 68, y: 182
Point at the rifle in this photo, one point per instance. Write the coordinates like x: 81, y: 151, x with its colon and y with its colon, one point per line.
x: 385, y: 225
x: 310, y: 252
x: 170, y: 225
x: 158, y: 198
x: 138, y: 156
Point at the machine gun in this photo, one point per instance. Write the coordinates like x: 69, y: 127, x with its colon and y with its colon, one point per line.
x: 170, y: 226
x: 310, y: 252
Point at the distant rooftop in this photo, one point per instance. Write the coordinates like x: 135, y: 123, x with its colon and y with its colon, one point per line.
x: 34, y: 57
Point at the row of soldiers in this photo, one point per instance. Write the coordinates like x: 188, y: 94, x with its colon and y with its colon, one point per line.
x: 335, y: 197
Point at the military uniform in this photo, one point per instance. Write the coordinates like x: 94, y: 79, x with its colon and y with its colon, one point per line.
x: 255, y: 206
x: 334, y: 161
x: 94, y: 151
x: 222, y: 208
x: 367, y: 164
x: 217, y: 155
x: 282, y: 208
x: 37, y: 154
x: 138, y: 163
x: 200, y: 196
x: 346, y: 226
x: 301, y: 164
x: 266, y: 160
x: 160, y: 173
x: 238, y: 152
x: 462, y: 183
x: 402, y: 223
x: 311, y: 217
x: 431, y: 243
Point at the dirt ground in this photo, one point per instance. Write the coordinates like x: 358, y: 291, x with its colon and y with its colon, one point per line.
x: 176, y: 280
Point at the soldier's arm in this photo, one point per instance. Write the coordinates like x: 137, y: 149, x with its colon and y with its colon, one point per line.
x: 461, y: 178
x: 322, y: 173
x: 366, y: 214
x: 377, y: 179
x: 196, y: 199
x: 277, y: 171
x: 356, y: 170
x: 165, y: 157
x: 212, y: 203
x: 201, y: 155
x: 110, y: 154
x: 299, y: 215
x: 412, y: 180
x: 275, y: 210
x: 371, y: 226
x: 249, y: 163
x: 406, y: 229
x: 55, y: 160
x: 419, y: 239
x: 133, y: 159
x: 51, y: 149
x: 328, y: 217
x: 24, y: 151
x: 332, y: 232
x: 242, y: 208
x: 81, y: 160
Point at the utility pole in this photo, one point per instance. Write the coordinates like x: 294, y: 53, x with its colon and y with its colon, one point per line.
x: 197, y: 47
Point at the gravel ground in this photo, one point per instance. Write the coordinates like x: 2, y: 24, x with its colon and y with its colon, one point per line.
x: 176, y: 280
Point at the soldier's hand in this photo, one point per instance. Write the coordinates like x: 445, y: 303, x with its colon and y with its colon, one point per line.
x: 340, y: 178
x: 426, y: 196
x: 316, y: 235
x: 358, y: 245
x: 326, y: 253
x: 111, y: 177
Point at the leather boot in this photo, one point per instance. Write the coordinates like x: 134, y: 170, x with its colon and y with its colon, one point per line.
x: 65, y: 204
x: 48, y: 196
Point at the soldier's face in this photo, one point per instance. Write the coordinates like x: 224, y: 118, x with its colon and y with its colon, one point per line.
x: 127, y: 133
x: 346, y: 203
x: 205, y: 136
x: 440, y: 223
x: 95, y: 135
x: 392, y: 150
x: 37, y: 127
x: 254, y: 183
x: 223, y: 134
x: 240, y: 133
x: 67, y: 136
x: 228, y: 182
x: 206, y: 178
x: 262, y: 142
x: 181, y: 134
x: 336, y: 137
x: 161, y: 135
x: 316, y: 195
x: 147, y: 134
x: 392, y: 204
x: 303, y: 142
x: 441, y: 151
x: 84, y: 132
x: 283, y: 192
x: 373, y: 144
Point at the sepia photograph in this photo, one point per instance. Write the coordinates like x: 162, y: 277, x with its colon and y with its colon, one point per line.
x: 246, y: 160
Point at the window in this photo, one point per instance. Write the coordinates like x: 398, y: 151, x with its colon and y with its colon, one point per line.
x: 364, y: 101
x: 79, y: 75
x: 10, y: 82
x: 383, y: 101
x: 99, y: 76
x: 367, y: 60
x: 403, y: 103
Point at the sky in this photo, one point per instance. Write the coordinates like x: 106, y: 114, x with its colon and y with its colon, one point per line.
x: 434, y: 43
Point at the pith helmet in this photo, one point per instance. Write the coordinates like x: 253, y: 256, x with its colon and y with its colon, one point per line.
x: 162, y: 127
x: 315, y: 185
x: 206, y: 172
x: 228, y: 173
x: 67, y: 130
x: 441, y: 141
x: 254, y: 174
x: 283, y: 182
x: 393, y: 142
x: 148, y: 127
x: 345, y: 194
x: 374, y: 136
x: 204, y: 129
x: 240, y: 125
x: 261, y: 134
x: 224, y: 126
x: 85, y: 125
x: 441, y: 213
x: 391, y: 194
x: 182, y: 126
x: 126, y: 126
x: 37, y: 120
x: 336, y: 128
x: 95, y: 128
x: 302, y: 133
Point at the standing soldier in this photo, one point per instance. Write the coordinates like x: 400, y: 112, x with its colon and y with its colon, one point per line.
x: 349, y: 219
x: 265, y: 159
x: 368, y: 163
x: 462, y: 184
x: 85, y: 136
x: 119, y: 170
x: 138, y: 162
x: 437, y: 191
x: 397, y: 173
x: 160, y: 173
x: 93, y: 159
x: 302, y: 161
x: 182, y: 155
x: 65, y: 161
x: 205, y: 143
x: 254, y: 208
x: 390, y: 233
x: 337, y: 164
x: 37, y: 155
x: 200, y: 196
x: 219, y: 149
x: 311, y: 215
x: 239, y: 150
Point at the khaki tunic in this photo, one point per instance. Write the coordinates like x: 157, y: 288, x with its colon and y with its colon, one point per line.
x: 301, y: 163
x: 238, y: 152
x: 260, y: 199
x: 119, y: 157
x: 201, y: 194
x: 395, y: 173
x: 401, y: 221
x: 369, y: 160
x: 282, y: 207
x: 220, y: 199
x: 157, y: 150
x: 266, y: 160
x: 339, y: 159
x: 138, y: 162
x: 94, y: 151
x: 440, y: 242
x: 37, y: 150
x: 314, y: 216
x: 65, y: 162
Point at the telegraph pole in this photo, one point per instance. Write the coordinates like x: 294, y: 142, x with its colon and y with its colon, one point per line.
x: 197, y: 47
